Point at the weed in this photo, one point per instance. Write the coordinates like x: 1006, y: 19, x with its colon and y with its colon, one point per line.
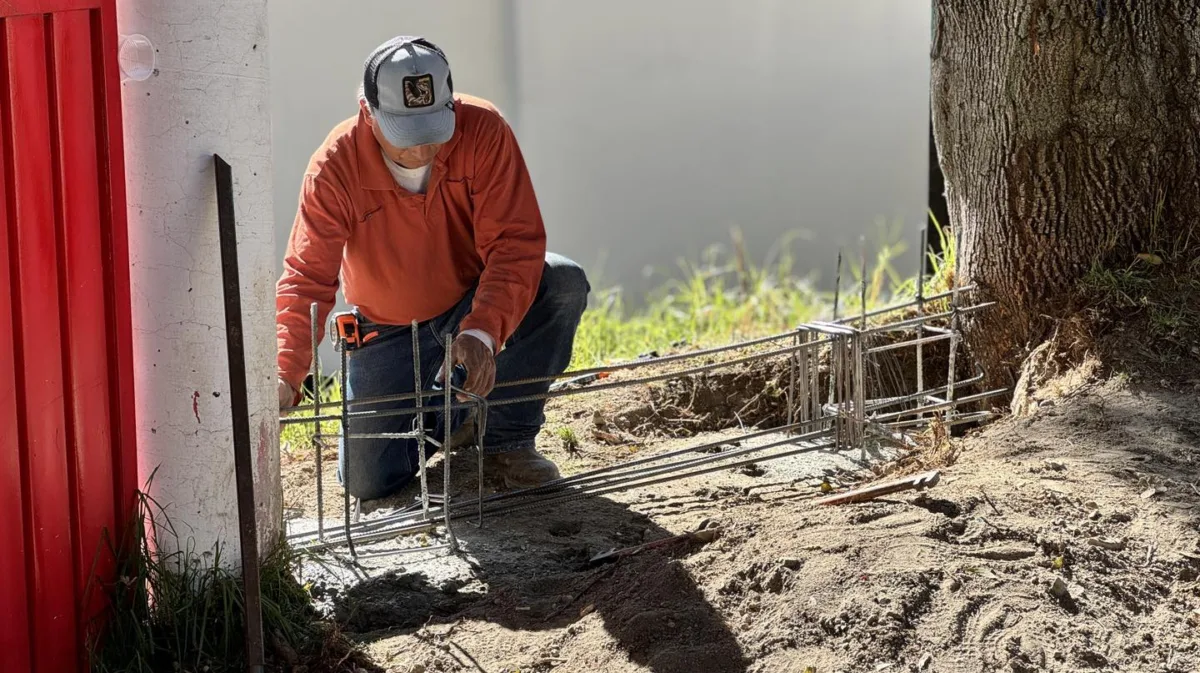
x: 183, y: 611
x: 570, y: 440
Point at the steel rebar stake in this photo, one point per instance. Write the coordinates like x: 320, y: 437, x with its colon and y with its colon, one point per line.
x: 921, y: 308
x: 837, y: 289
x: 318, y: 440
x: 420, y: 421
x: 447, y: 385
x: 342, y: 378
x: 791, y: 391
x: 954, y: 329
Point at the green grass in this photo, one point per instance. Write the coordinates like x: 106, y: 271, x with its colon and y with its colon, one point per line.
x: 184, y: 611
x: 725, y: 297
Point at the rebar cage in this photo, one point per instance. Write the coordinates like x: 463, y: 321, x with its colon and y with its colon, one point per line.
x: 832, y: 367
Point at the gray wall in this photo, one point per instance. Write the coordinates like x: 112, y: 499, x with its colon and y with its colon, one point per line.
x: 651, y: 128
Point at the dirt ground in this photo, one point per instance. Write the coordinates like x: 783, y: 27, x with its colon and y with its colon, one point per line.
x: 1066, y: 540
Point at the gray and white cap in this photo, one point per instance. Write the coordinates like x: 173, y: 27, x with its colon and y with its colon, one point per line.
x: 407, y: 85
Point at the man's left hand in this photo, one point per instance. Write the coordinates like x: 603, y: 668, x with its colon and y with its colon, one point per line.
x: 479, y: 362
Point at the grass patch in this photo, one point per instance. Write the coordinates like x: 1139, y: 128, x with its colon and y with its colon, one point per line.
x: 1142, y: 313
x: 184, y: 611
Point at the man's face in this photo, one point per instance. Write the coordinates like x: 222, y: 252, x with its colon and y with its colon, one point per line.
x: 408, y: 157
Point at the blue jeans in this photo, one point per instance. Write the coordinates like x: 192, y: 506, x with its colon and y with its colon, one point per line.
x: 541, y: 346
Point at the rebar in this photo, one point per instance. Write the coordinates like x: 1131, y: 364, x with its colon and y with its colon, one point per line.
x: 654, y: 362
x: 420, y: 419
x: 447, y: 415
x: 318, y: 439
x: 921, y: 306
x: 343, y: 380
x: 954, y: 317
x: 847, y: 420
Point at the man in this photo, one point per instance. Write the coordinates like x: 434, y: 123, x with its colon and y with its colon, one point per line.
x: 423, y: 204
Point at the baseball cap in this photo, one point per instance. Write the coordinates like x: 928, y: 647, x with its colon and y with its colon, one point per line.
x: 406, y: 83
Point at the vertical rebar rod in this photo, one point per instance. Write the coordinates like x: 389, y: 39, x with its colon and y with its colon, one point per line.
x: 856, y: 342
x: 420, y: 420
x: 954, y: 327
x: 860, y: 390
x: 837, y: 289
x: 921, y: 308
x: 815, y: 389
x: 800, y: 381
x: 480, y: 431
x: 862, y: 263
x: 318, y: 440
x: 448, y: 401
x: 239, y: 408
x: 791, y: 390
x: 342, y: 378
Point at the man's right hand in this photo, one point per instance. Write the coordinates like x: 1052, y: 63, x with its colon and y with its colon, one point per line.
x: 287, y: 394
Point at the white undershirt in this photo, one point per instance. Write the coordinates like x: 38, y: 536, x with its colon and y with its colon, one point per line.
x: 416, y: 180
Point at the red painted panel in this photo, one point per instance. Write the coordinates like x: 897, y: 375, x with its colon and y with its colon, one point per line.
x: 40, y: 371
x: 82, y: 311
x: 68, y: 469
x: 14, y: 599
x: 116, y: 247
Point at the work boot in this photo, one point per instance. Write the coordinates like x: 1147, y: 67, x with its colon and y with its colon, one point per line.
x: 525, y: 468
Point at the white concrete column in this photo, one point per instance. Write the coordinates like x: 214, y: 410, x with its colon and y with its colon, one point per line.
x: 209, y: 94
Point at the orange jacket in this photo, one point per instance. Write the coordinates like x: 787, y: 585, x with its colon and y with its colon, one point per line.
x: 404, y: 256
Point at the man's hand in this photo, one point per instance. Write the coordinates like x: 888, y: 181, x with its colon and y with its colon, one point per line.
x: 287, y: 394
x: 479, y: 361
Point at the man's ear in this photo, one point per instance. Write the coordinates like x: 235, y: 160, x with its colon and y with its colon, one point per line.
x: 362, y: 105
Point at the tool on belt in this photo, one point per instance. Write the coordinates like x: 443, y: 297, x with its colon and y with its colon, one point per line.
x: 349, y: 335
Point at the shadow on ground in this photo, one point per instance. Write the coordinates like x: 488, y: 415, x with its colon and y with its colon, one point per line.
x: 529, y: 571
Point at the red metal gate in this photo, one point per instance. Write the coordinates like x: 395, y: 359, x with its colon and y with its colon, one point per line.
x: 67, y: 460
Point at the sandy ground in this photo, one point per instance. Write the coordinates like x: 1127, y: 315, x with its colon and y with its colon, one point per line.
x: 1064, y: 541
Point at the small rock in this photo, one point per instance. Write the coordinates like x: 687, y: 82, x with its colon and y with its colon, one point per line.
x: 924, y: 661
x: 1059, y: 588
x: 417, y: 668
x: 952, y: 584
x: 1095, y: 515
x: 1054, y: 465
x: 1109, y: 543
x: 792, y: 563
x: 1149, y: 493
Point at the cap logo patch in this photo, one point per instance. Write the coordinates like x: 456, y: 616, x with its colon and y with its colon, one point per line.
x: 418, y: 91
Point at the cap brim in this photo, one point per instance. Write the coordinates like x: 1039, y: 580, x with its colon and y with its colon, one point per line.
x: 413, y: 130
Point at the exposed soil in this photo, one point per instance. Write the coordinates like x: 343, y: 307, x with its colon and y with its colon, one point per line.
x: 1064, y: 540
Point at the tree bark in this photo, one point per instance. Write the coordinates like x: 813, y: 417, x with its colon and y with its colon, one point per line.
x: 1069, y: 134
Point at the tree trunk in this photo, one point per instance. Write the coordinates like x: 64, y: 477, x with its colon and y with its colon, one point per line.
x: 1069, y: 134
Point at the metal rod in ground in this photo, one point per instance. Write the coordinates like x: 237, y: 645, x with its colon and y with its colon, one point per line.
x: 479, y: 414
x: 954, y: 327
x: 313, y: 311
x: 921, y: 306
x: 791, y: 390
x: 860, y: 388
x: 346, y: 441
x: 239, y: 406
x: 448, y: 409
x: 862, y: 300
x: 837, y: 289
x: 420, y: 420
